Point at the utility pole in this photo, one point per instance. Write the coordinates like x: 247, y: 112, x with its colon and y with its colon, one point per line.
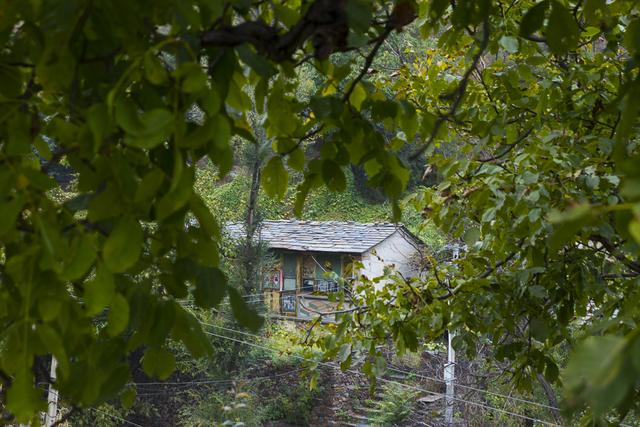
x: 449, y: 378
x: 52, y: 396
x: 450, y: 367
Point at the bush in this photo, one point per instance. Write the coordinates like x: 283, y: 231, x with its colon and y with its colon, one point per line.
x: 293, y: 405
x: 396, y: 404
x: 215, y: 408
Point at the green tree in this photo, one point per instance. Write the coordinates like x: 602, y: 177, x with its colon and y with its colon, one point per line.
x: 528, y: 115
x: 133, y: 93
x: 129, y: 96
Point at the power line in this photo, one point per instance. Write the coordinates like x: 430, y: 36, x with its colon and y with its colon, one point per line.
x: 191, y: 303
x: 491, y: 408
x: 220, y: 383
x: 259, y: 294
x: 282, y: 374
x: 115, y: 417
x: 504, y: 396
x: 422, y: 376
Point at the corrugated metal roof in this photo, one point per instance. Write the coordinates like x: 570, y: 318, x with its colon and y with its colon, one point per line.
x: 322, y: 236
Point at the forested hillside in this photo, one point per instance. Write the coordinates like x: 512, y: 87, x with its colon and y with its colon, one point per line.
x: 228, y: 200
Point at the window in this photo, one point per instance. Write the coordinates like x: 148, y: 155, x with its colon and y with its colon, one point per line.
x: 329, y: 263
x: 314, y: 269
x: 289, y: 270
x: 308, y: 274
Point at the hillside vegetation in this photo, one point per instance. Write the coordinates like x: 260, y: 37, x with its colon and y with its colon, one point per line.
x: 228, y: 201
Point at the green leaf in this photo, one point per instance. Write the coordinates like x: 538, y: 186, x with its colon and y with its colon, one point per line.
x: 596, y: 370
x: 634, y: 230
x: 358, y: 96
x: 178, y: 198
x: 210, y: 101
x: 49, y: 309
x: 275, y: 178
x: 23, y: 399
x: 99, y: 123
x: 295, y: 160
x: 508, y: 43
x: 9, y: 212
x: 567, y: 224
x: 635, y: 354
x: 258, y: 63
x: 301, y: 195
x: 158, y: 363
x: 533, y: 19
x: 359, y: 15
x: 99, y: 292
x: 143, y: 131
x: 594, y: 11
x: 221, y: 131
x: 80, y: 258
x: 128, y: 397
x: 210, y: 287
x: 245, y: 315
x: 163, y: 320
x: 188, y: 330
x: 118, y: 317
x: 562, y: 30
x: 193, y: 78
x: 333, y: 176
x: 154, y: 71
x: 529, y: 177
x: 472, y: 235
x: 539, y: 329
x: 149, y: 186
x: 10, y: 82
x: 204, y: 216
x: 632, y: 36
x: 123, y: 247
x: 53, y: 343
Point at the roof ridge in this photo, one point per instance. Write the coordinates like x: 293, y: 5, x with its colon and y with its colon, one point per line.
x: 327, y: 236
x: 349, y: 222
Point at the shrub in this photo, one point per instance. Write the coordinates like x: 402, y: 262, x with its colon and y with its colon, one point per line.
x: 396, y: 404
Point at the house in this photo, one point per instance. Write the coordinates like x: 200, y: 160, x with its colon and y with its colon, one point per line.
x: 308, y: 253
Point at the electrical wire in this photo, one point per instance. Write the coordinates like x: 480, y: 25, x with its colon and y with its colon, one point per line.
x: 542, y: 405
x: 185, y: 387
x: 244, y: 296
x: 491, y: 408
x: 282, y: 374
x: 504, y: 396
x: 115, y: 417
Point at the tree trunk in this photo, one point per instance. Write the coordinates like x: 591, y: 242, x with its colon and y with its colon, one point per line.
x: 251, y: 247
x: 551, y: 396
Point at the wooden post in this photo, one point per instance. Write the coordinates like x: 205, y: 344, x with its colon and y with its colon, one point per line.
x: 298, y: 283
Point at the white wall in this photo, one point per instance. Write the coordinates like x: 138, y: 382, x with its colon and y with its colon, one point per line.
x: 397, y: 251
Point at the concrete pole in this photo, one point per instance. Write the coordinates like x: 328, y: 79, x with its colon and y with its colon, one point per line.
x: 450, y: 367
x: 449, y: 378
x: 52, y: 397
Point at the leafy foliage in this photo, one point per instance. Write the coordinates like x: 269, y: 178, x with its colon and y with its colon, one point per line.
x: 396, y: 404
x: 536, y: 144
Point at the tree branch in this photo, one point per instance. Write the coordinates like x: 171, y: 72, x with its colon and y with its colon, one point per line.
x: 325, y: 23
x: 458, y: 93
x: 508, y: 149
x: 614, y: 252
x: 367, y: 63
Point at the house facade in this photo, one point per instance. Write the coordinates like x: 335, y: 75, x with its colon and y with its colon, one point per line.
x: 312, y: 256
